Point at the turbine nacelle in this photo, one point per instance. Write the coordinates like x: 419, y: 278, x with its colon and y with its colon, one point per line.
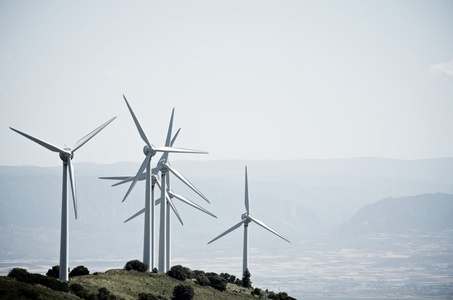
x: 163, y: 165
x: 147, y: 149
x: 246, y: 217
x: 66, y: 155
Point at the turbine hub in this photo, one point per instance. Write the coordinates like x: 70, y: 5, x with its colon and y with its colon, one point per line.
x: 245, y: 216
x: 65, y: 156
x: 163, y: 166
x: 147, y: 149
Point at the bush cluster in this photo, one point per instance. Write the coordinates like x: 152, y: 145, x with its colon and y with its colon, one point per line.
x: 183, y: 292
x: 279, y: 296
x: 54, y: 272
x: 204, y: 279
x: 179, y: 272
x: 22, y: 275
x: 149, y: 296
x: 201, y: 278
x: 79, y: 271
x: 81, y: 292
x: 229, y: 278
x: 136, y: 265
x: 217, y: 281
x: 257, y: 292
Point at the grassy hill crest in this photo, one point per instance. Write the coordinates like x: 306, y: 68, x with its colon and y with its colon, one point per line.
x: 121, y: 284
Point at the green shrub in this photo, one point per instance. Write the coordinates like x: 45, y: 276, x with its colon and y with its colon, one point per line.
x: 183, y: 292
x: 144, y: 296
x: 104, y: 294
x: 54, y: 272
x: 217, y: 282
x: 257, y: 292
x: 232, y: 279
x: 280, y: 296
x: 136, y: 265
x: 238, y: 282
x: 50, y: 282
x: 246, y: 279
x: 202, y: 279
x: 79, y: 271
x: 29, y: 294
x: 179, y: 272
x: 229, y: 278
x: 75, y: 287
x: 20, y: 275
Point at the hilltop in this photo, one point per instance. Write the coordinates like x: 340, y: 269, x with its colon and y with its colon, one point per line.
x: 121, y: 284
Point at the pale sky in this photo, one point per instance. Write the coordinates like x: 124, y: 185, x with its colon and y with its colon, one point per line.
x: 248, y: 79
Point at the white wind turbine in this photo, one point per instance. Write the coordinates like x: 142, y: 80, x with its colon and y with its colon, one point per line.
x: 150, y: 150
x: 66, y: 155
x: 148, y: 250
x: 170, y: 194
x: 164, y: 167
x: 246, y: 219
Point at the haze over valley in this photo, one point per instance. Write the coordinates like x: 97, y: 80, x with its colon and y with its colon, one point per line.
x: 358, y: 227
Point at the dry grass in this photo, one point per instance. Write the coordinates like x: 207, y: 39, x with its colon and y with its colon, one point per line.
x: 129, y: 284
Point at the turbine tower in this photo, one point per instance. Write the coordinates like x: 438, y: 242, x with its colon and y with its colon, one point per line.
x: 150, y: 150
x: 247, y: 218
x: 66, y: 155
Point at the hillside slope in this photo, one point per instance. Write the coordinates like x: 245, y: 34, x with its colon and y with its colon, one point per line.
x: 121, y: 284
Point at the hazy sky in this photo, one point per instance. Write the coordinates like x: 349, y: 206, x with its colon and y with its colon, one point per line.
x: 248, y: 79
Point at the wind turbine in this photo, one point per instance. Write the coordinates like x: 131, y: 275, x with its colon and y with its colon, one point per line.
x: 164, y: 167
x: 66, y: 155
x: 150, y: 150
x: 246, y: 218
x: 170, y: 194
x: 148, y: 245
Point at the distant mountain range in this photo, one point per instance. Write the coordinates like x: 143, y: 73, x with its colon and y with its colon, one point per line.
x: 296, y: 198
x: 427, y: 212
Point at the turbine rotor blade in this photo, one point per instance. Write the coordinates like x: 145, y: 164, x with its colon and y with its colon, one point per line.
x: 174, y: 138
x: 247, y: 205
x: 73, y: 186
x: 158, y: 183
x: 155, y: 170
x: 137, y: 124
x: 135, y: 215
x: 178, y: 150
x: 115, y: 177
x: 187, y: 182
x: 140, y: 171
x: 157, y: 202
x: 187, y: 201
x: 164, y: 156
x: 268, y: 228
x: 127, y: 179
x: 228, y: 231
x: 174, y: 209
x: 170, y: 128
x: 90, y: 135
x: 40, y: 142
